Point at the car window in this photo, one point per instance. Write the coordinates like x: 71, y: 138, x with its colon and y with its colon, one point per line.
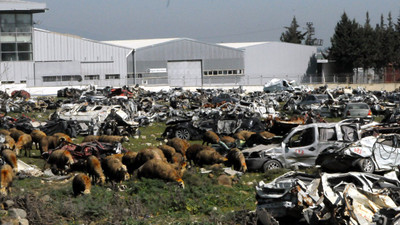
x: 322, y: 97
x: 349, y: 133
x: 302, y: 138
x: 327, y: 134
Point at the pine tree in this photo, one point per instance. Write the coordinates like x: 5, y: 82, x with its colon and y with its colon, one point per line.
x: 292, y: 35
x: 346, y: 44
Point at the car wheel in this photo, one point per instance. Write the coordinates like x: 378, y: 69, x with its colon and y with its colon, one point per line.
x: 367, y: 165
x: 182, y: 133
x: 271, y: 165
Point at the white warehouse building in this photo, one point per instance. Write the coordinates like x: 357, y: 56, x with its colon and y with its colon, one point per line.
x: 41, y: 58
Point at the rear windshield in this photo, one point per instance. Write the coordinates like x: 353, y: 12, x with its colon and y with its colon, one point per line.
x: 358, y: 106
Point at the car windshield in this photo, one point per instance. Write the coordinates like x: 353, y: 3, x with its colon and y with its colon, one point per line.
x: 358, y: 106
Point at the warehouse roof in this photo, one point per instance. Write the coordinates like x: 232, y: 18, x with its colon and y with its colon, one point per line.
x: 240, y: 45
x: 140, y: 43
x: 17, y: 5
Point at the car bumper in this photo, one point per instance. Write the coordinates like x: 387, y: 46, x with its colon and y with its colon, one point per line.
x: 254, y: 164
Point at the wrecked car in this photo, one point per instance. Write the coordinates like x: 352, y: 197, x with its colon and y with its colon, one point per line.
x: 369, y: 154
x: 189, y: 129
x: 338, y: 198
x: 301, y: 146
x: 278, y: 85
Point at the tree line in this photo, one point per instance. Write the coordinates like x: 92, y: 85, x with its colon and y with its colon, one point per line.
x: 355, y: 45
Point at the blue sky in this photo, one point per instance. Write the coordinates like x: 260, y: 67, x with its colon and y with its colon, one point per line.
x: 205, y: 20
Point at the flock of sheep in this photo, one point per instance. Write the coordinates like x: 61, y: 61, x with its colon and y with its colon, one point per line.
x: 167, y: 161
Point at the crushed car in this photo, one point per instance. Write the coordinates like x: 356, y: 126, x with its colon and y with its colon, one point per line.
x: 301, y: 146
x: 369, y: 154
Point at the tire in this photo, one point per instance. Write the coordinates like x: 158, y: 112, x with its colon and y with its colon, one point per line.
x: 271, y: 165
x: 366, y: 165
x: 183, y: 133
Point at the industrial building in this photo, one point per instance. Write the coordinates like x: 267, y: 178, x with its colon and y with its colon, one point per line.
x: 41, y: 58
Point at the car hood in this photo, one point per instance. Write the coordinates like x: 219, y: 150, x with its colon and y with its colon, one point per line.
x: 272, y: 148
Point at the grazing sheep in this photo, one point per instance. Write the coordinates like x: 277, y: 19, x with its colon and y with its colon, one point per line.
x: 90, y: 138
x: 228, y: 140
x: 61, y: 160
x: 5, y: 132
x: 148, y: 154
x: 37, y: 135
x: 259, y: 138
x: 113, y: 139
x: 168, y: 151
x: 10, y: 158
x: 62, y: 137
x: 180, y: 145
x: 210, y: 137
x: 177, y: 159
x: 115, y: 156
x: 236, y: 158
x: 114, y: 170
x: 209, y: 157
x: 159, y: 169
x: 9, y: 142
x: 129, y: 161
x: 47, y: 143
x: 192, y: 151
x: 81, y: 184
x: 6, y: 178
x: 24, y: 142
x: 15, y: 133
x: 243, y: 135
x: 225, y: 180
x: 93, y: 167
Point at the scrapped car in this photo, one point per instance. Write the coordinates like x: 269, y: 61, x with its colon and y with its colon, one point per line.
x: 357, y: 110
x: 278, y: 85
x: 186, y: 128
x: 301, y: 146
x: 369, y: 154
x: 309, y: 100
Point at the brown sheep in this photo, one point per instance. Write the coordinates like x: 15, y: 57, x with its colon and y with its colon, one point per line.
x: 159, y: 169
x: 192, y: 151
x: 177, y: 159
x: 145, y: 155
x: 5, y: 132
x: 236, y: 158
x: 243, y: 135
x: 93, y: 167
x: 90, y: 138
x: 9, y: 142
x: 225, y: 180
x: 180, y: 145
x: 114, y: 170
x: 129, y: 161
x: 10, y: 158
x: 62, y: 137
x: 6, y: 178
x: 259, y: 138
x: 228, y: 140
x: 60, y: 160
x: 47, y: 143
x: 210, y: 137
x: 115, y: 156
x: 15, y: 133
x: 113, y: 139
x: 168, y: 151
x: 209, y: 157
x: 37, y: 135
x: 24, y: 142
x: 81, y: 184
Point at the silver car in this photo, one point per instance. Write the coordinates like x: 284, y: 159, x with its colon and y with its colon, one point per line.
x: 357, y: 110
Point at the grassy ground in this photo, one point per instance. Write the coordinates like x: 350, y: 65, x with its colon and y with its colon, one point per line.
x: 144, y: 201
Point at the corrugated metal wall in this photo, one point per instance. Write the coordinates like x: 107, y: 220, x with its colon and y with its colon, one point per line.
x: 95, y: 58
x: 16, y: 71
x: 278, y: 60
x: 213, y: 57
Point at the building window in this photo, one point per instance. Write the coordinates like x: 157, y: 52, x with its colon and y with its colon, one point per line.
x: 62, y: 78
x: 92, y: 77
x: 16, y: 37
x: 7, y: 82
x: 112, y: 76
x: 23, y: 81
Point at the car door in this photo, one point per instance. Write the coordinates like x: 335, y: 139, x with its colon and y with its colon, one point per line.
x: 301, y: 147
x: 386, y: 152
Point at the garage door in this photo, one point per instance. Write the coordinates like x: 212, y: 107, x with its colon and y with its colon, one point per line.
x: 184, y: 73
